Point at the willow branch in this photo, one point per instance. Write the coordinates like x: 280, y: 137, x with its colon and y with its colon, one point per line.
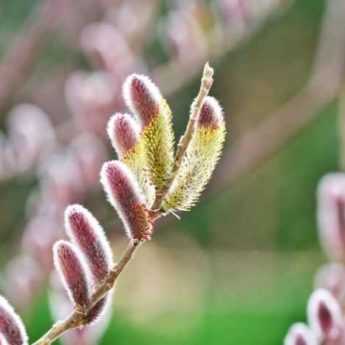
x: 326, y: 81
x: 79, y: 315
x: 205, y: 87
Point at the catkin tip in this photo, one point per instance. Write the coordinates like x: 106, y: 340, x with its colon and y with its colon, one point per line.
x: 324, y: 314
x: 11, y: 325
x: 142, y: 97
x: 125, y: 196
x: 211, y: 114
x: 300, y: 334
x: 85, y: 231
x: 123, y: 132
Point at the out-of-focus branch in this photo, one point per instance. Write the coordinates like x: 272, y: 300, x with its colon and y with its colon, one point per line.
x: 78, y: 317
x: 17, y: 63
x: 173, y: 75
x: 327, y: 78
x: 205, y: 86
x: 22, y: 53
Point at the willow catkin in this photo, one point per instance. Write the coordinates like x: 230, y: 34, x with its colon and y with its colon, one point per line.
x: 324, y: 315
x: 12, y: 329
x: 152, y: 111
x: 69, y: 263
x: 199, y: 159
x: 300, y: 334
x: 85, y: 231
x: 124, y: 194
x: 124, y: 133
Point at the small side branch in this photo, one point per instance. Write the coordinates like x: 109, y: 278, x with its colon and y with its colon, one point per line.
x: 78, y: 316
x: 205, y: 87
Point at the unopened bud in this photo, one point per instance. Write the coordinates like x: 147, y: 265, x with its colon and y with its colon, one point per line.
x: 211, y: 114
x: 123, y: 132
x: 69, y: 263
x: 200, y: 158
x: 85, y: 231
x: 324, y: 315
x: 11, y: 326
x: 126, y: 197
x: 300, y: 334
x: 142, y: 97
x: 145, y: 100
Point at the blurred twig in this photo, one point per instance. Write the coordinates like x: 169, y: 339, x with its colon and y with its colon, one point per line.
x: 325, y: 82
x: 22, y: 53
x: 205, y: 87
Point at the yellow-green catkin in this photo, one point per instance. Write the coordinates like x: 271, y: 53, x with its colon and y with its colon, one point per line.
x: 146, y: 102
x: 136, y: 161
x: 123, y: 132
x: 199, y: 159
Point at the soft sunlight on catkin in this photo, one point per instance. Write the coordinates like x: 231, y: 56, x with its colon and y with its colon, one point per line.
x: 146, y: 183
x: 124, y: 133
x: 199, y: 159
x: 12, y: 329
x: 145, y: 100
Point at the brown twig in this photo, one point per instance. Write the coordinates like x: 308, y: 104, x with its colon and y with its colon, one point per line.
x: 205, y: 87
x: 78, y: 317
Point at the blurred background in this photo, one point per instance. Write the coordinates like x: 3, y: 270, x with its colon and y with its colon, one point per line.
x: 239, y: 267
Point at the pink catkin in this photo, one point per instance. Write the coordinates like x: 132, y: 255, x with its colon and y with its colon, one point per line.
x: 211, y: 114
x: 324, y: 314
x: 11, y: 326
x: 142, y: 97
x: 3, y: 341
x: 85, y: 231
x: 300, y: 340
x: 300, y: 334
x: 68, y: 262
x: 123, y: 132
x: 325, y: 317
x: 124, y: 194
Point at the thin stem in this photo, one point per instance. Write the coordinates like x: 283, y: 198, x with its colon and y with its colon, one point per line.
x: 205, y: 87
x: 78, y: 316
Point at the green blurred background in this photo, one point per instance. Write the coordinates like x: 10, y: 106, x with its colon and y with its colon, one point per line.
x: 239, y: 267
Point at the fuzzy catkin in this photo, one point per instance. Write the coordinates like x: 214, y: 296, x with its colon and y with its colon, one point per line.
x: 199, y: 159
x: 145, y: 100
x: 12, y: 328
x: 69, y: 263
x: 85, y: 231
x: 300, y: 334
x: 124, y: 133
x: 324, y: 314
x: 125, y: 196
